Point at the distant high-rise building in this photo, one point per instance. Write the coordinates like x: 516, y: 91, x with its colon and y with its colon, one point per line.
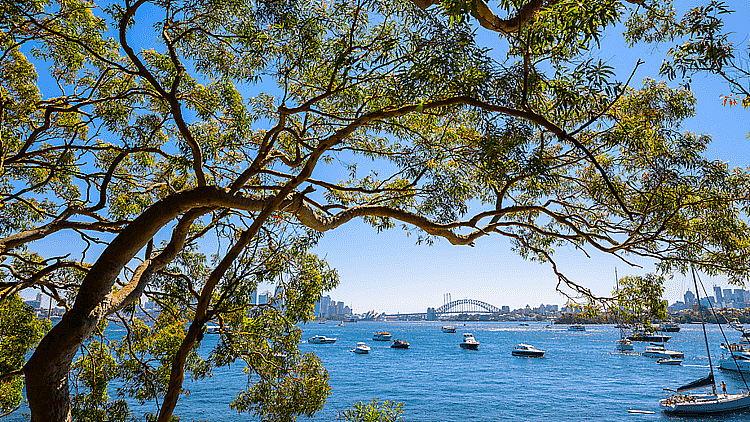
x: 431, y: 314
x: 505, y: 309
x: 717, y: 293
x: 316, y: 311
x: 325, y: 301
x: 727, y: 295
x: 254, y: 297
x: 340, y: 308
x: 689, y: 298
x: 264, y: 298
x: 347, y: 310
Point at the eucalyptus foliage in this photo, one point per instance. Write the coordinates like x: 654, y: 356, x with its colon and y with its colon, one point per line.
x: 192, y: 151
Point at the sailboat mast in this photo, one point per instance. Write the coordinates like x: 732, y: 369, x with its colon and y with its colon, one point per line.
x: 703, y: 324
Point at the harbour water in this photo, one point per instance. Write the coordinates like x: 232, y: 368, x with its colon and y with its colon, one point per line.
x: 580, y: 378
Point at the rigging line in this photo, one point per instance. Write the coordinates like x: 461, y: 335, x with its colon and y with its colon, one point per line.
x: 723, y: 335
x: 703, y: 324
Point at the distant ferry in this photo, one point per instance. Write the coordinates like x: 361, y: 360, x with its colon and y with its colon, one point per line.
x: 448, y: 329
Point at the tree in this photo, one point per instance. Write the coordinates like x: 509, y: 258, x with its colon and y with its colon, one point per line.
x: 149, y: 129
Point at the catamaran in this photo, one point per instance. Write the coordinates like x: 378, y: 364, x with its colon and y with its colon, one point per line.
x: 704, y: 404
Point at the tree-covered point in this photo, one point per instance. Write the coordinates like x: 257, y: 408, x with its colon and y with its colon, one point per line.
x: 191, y: 151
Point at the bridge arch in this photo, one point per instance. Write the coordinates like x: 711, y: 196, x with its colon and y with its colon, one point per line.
x: 467, y: 306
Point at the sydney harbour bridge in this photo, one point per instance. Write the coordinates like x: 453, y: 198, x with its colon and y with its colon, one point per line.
x: 455, y: 307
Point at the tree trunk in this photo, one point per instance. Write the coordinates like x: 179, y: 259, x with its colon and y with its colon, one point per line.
x: 46, y: 372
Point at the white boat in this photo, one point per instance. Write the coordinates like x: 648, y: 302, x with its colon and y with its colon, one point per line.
x: 624, y: 345
x: 738, y: 358
x: 658, y: 351
x: 527, y: 350
x: 212, y: 329
x: 362, y: 349
x: 469, y: 342
x: 382, y: 336
x: 668, y: 327
x: 577, y: 327
x: 669, y: 361
x: 448, y: 329
x: 319, y: 339
x: 735, y: 362
x: 704, y: 404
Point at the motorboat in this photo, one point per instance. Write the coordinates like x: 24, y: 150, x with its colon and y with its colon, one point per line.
x: 704, y: 404
x: 668, y: 327
x: 735, y: 362
x: 362, y: 349
x: 643, y: 336
x: 738, y: 358
x: 469, y: 342
x: 527, y: 350
x: 577, y: 327
x: 448, y: 329
x: 624, y: 345
x: 669, y: 361
x: 658, y: 351
x: 399, y: 344
x: 212, y: 329
x: 382, y: 336
x: 320, y: 339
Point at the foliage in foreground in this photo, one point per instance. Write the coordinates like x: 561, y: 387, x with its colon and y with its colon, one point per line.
x: 193, y: 152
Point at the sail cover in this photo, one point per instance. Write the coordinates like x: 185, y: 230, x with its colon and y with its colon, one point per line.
x: 703, y: 382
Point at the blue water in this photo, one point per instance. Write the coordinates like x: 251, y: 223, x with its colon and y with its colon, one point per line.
x: 580, y: 377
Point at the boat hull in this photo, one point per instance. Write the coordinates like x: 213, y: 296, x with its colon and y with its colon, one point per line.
x: 528, y: 353
x: 707, y: 405
x: 734, y: 365
x: 361, y: 351
x: 664, y: 355
x: 399, y: 344
x: 470, y: 346
x: 321, y: 341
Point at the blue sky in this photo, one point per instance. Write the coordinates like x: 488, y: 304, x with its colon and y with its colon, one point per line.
x: 388, y: 272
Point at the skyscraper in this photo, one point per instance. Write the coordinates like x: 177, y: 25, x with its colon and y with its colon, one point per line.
x: 717, y: 291
x: 325, y: 301
x: 689, y: 298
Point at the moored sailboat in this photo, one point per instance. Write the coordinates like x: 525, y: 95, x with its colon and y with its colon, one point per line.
x: 704, y: 404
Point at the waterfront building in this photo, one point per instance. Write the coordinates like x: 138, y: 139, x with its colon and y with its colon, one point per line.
x: 506, y: 309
